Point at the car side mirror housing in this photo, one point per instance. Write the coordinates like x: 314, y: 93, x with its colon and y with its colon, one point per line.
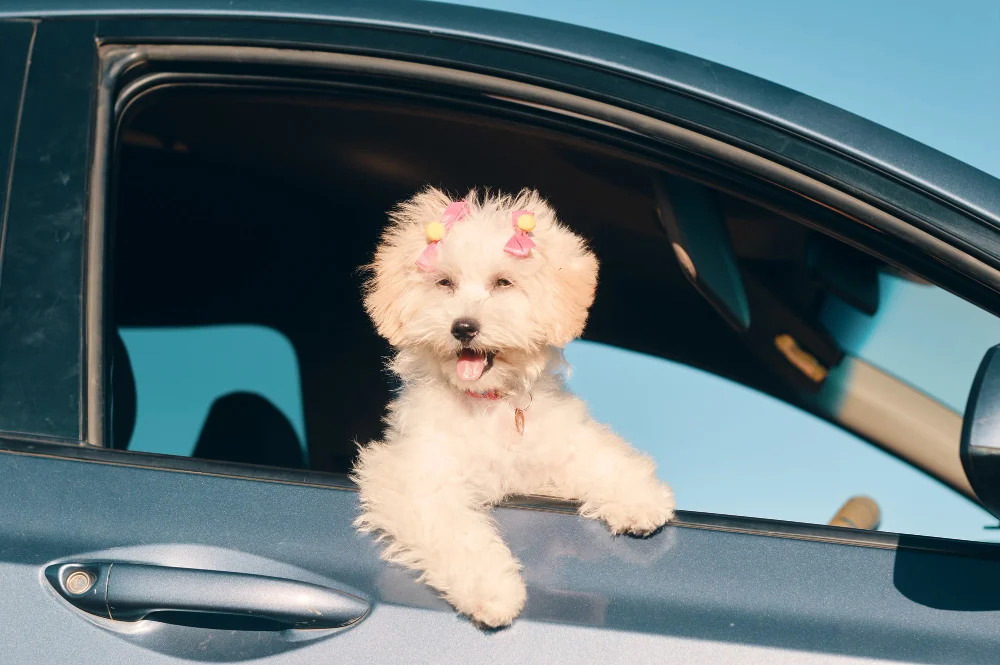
x: 980, y: 446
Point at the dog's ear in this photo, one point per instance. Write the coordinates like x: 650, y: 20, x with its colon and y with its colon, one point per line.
x: 388, y: 296
x: 568, y: 279
x: 572, y: 277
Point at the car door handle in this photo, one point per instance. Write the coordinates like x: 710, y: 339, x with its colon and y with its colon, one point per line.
x: 130, y: 592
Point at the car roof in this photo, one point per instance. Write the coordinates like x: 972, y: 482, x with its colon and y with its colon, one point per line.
x: 919, y: 165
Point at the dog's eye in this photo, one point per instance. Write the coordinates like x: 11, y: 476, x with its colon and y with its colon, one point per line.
x: 445, y: 283
x: 503, y: 283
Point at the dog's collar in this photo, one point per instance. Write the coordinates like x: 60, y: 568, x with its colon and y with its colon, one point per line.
x: 489, y: 394
x: 495, y: 395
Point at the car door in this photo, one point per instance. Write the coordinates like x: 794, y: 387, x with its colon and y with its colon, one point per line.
x: 234, y: 562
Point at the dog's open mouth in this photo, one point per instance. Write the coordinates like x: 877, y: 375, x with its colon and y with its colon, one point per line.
x: 473, y: 364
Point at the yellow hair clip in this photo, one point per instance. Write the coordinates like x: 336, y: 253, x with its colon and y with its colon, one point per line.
x: 520, y: 243
x: 435, y: 231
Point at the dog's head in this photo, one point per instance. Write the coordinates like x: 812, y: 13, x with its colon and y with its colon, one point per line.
x: 479, y: 291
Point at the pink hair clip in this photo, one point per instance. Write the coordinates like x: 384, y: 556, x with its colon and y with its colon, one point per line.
x: 436, y: 232
x: 520, y: 244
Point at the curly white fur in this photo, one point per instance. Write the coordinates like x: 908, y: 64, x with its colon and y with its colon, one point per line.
x: 449, y: 456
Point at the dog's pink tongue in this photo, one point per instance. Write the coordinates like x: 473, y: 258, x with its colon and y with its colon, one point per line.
x: 470, y: 365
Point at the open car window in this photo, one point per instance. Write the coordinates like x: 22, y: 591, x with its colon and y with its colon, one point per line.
x: 242, y: 217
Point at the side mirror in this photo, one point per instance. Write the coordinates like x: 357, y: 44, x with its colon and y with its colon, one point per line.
x: 980, y: 447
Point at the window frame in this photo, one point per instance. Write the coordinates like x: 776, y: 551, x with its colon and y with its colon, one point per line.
x: 944, y: 263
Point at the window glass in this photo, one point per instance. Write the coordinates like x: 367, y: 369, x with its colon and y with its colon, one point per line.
x: 922, y: 334
x: 186, y: 377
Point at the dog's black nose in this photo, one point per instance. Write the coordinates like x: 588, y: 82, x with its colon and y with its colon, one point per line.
x: 464, y: 329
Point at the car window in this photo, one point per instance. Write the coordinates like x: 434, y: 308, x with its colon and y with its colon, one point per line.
x: 726, y: 448
x: 237, y: 307
x: 184, y: 377
x: 922, y: 334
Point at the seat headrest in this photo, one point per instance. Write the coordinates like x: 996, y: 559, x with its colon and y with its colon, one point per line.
x: 123, y: 395
x: 245, y: 427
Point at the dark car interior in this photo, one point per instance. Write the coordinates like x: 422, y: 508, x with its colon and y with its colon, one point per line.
x: 250, y: 206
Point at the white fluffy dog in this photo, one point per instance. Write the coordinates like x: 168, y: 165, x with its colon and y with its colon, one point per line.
x: 478, y: 297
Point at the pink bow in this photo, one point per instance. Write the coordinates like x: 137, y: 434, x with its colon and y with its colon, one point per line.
x: 455, y: 212
x: 425, y: 262
x: 520, y: 244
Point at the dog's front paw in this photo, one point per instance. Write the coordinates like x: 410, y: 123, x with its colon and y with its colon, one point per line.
x: 639, y: 516
x: 494, y: 602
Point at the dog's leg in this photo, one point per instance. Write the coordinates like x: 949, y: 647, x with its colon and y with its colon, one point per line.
x: 613, y: 481
x: 434, y: 523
